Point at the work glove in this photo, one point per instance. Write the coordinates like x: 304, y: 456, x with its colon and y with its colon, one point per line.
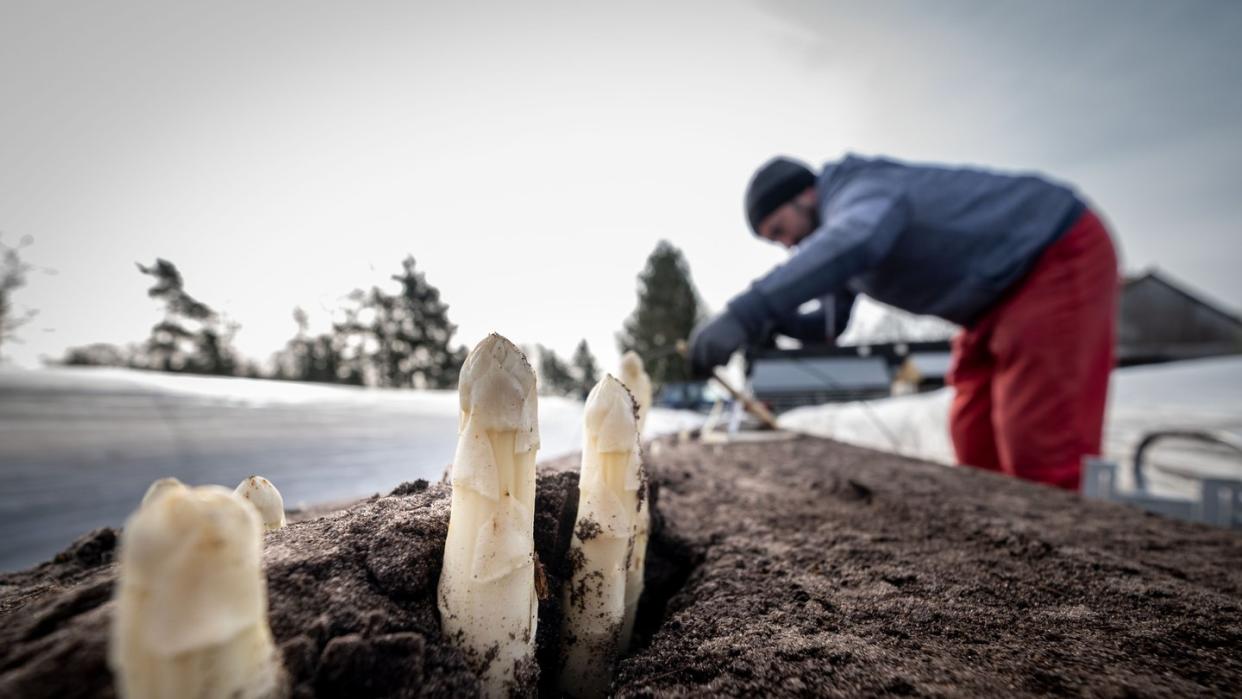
x: 713, y: 342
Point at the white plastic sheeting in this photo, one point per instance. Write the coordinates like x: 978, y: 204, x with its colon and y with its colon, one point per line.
x: 1199, y: 394
x: 79, y: 447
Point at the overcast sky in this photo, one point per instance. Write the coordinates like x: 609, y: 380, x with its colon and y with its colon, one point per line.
x: 530, y: 155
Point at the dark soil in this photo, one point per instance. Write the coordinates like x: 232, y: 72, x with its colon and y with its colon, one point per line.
x: 791, y: 568
x: 833, y: 570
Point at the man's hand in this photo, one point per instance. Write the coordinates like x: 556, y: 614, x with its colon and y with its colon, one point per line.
x: 713, y: 342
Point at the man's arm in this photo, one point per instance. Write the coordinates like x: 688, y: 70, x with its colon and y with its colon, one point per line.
x: 824, y: 324
x: 859, y: 229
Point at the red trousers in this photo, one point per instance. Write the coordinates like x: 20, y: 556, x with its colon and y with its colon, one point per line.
x: 1031, y: 376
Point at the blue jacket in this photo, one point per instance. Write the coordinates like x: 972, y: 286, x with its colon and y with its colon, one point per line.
x: 931, y: 240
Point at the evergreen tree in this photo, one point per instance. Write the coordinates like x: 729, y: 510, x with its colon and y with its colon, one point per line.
x: 12, y: 277
x: 403, y: 338
x: 323, y: 361
x: 316, y: 358
x: 668, y: 307
x: 250, y: 369
x: 586, y: 371
x: 98, y: 354
x: 294, y: 362
x: 555, y: 376
x: 192, y: 337
x: 350, y: 340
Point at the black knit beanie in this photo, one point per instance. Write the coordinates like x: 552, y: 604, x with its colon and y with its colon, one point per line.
x: 779, y: 180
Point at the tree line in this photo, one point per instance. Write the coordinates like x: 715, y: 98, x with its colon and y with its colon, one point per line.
x: 391, y: 338
x: 396, y: 337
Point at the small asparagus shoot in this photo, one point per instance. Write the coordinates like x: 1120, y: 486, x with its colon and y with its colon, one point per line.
x: 159, y: 487
x: 191, y: 601
x: 260, y: 492
x: 604, y: 546
x: 487, y: 593
x: 635, y: 378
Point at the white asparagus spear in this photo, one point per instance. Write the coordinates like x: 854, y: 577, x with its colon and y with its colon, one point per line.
x: 260, y: 492
x: 159, y: 487
x: 612, y: 488
x: 636, y: 379
x: 191, y: 601
x: 637, y: 565
x: 487, y: 593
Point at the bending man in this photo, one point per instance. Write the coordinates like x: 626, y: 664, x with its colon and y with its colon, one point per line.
x: 1021, y: 263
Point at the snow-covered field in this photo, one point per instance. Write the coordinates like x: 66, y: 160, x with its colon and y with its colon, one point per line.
x: 78, y: 447
x: 1200, y: 394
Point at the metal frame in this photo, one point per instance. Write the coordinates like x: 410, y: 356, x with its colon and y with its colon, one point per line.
x: 1220, y: 499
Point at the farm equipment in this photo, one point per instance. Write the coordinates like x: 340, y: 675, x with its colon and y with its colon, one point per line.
x: 1219, y: 500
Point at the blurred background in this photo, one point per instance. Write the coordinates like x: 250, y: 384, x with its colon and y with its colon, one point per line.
x: 236, y: 235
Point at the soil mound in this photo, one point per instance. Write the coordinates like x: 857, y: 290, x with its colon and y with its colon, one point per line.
x: 835, y: 570
x: 804, y: 567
